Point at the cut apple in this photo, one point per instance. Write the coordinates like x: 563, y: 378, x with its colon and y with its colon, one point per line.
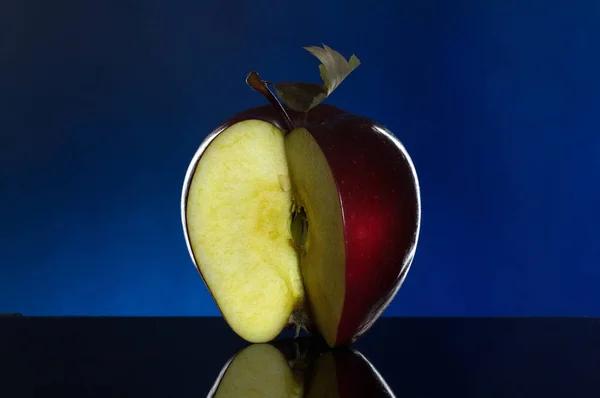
x: 317, y: 226
x: 239, y: 225
x: 322, y: 249
x: 305, y: 214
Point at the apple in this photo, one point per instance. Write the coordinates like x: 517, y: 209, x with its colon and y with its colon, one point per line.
x: 299, y: 368
x: 302, y: 213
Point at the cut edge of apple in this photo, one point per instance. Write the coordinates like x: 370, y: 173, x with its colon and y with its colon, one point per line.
x: 187, y: 182
x: 322, y: 255
x: 236, y: 212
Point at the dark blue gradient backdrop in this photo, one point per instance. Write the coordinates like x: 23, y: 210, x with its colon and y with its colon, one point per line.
x: 103, y: 104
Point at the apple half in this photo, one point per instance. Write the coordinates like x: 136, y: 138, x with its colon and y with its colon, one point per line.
x: 305, y: 218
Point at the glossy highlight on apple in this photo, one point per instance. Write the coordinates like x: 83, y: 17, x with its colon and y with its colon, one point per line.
x: 300, y: 214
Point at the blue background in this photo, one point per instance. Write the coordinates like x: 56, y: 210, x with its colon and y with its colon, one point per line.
x: 103, y: 104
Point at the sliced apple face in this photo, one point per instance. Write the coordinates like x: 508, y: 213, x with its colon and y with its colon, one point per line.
x: 238, y: 218
x: 321, y: 236
x: 260, y: 370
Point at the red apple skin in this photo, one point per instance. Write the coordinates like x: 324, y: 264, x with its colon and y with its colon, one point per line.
x: 380, y: 200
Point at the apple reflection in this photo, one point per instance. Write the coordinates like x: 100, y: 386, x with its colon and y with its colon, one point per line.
x: 299, y: 368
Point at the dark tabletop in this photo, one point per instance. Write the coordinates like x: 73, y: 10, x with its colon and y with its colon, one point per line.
x: 416, y: 357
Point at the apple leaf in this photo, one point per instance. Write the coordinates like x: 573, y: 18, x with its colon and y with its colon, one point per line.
x: 334, y: 68
x: 301, y: 97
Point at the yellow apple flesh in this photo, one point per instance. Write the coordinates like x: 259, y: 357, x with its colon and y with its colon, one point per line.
x: 323, y: 254
x: 238, y: 217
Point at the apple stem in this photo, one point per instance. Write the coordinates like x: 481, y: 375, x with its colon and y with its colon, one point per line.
x: 254, y: 81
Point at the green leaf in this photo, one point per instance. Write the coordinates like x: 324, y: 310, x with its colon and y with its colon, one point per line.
x: 334, y: 68
x: 301, y: 97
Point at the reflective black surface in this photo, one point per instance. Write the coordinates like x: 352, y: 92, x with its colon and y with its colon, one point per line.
x: 415, y: 357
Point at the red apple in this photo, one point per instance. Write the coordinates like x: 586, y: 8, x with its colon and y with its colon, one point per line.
x: 308, y: 215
